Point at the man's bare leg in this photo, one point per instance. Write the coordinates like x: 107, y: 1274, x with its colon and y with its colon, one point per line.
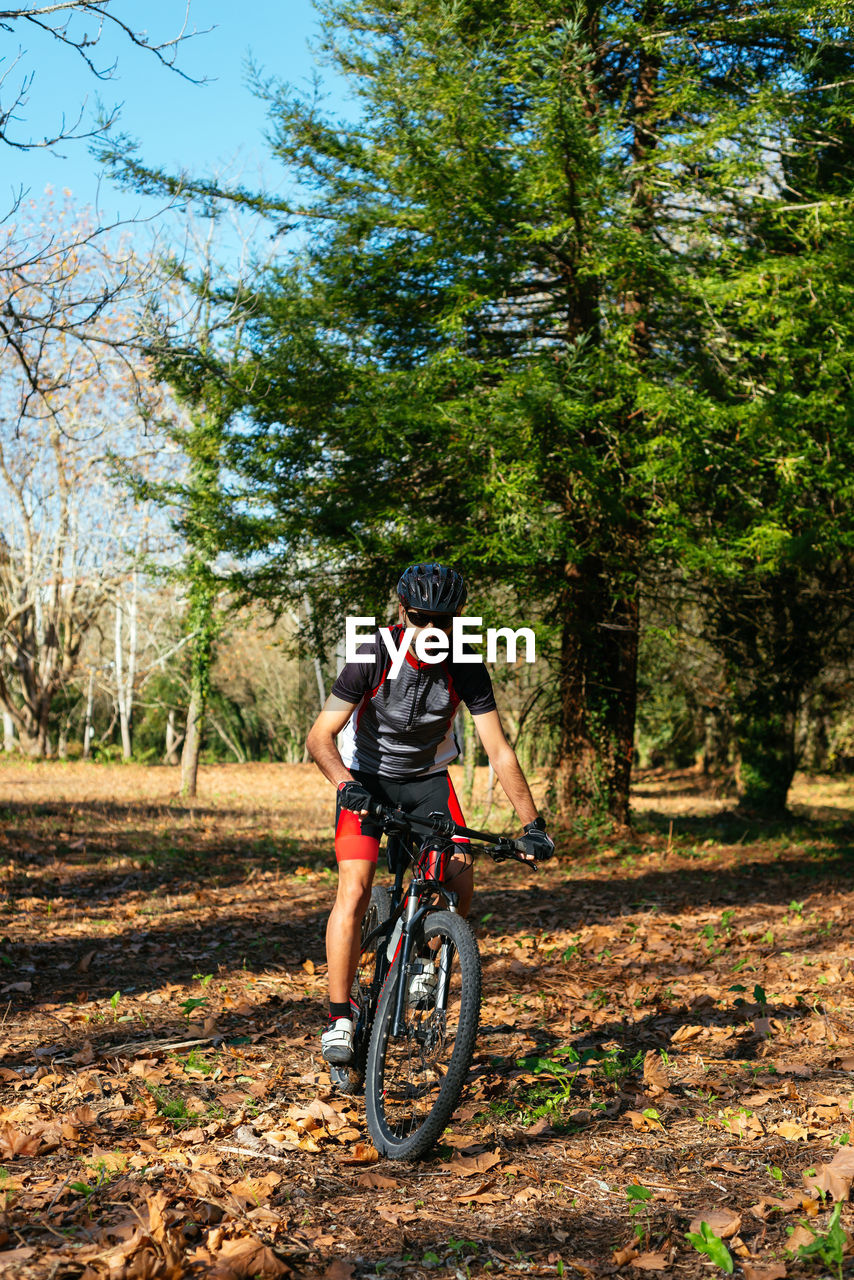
x: 343, y: 930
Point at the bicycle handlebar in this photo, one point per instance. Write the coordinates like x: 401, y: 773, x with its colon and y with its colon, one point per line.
x: 498, y: 847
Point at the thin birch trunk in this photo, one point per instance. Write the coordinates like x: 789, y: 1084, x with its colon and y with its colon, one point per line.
x: 125, y: 677
x: 318, y: 667
x: 8, y: 732
x: 192, y: 744
x: 131, y: 671
x: 88, y: 729
x: 120, y: 681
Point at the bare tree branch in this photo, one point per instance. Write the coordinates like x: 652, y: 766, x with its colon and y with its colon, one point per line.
x: 63, y: 23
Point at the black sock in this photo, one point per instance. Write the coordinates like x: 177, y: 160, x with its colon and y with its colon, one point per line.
x: 339, y: 1010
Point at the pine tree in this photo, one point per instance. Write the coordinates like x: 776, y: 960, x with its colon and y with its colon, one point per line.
x: 760, y: 479
x: 491, y: 333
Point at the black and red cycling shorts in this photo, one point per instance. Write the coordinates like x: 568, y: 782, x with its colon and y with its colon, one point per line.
x: 359, y: 838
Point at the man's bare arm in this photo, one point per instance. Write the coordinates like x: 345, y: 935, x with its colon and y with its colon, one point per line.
x: 502, y: 757
x: 321, y: 739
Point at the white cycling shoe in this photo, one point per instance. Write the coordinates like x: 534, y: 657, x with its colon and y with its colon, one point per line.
x: 336, y: 1043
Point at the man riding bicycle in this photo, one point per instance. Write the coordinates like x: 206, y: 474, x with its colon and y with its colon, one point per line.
x: 396, y: 750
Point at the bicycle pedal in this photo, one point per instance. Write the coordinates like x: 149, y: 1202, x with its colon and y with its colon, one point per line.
x: 346, y: 1082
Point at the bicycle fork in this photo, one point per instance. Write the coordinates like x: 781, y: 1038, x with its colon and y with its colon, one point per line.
x: 412, y: 917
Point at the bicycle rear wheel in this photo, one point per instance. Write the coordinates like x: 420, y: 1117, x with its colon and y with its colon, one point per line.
x: 365, y: 992
x: 413, y: 1082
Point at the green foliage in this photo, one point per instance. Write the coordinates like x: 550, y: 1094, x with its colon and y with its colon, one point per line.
x: 573, y: 312
x: 636, y: 1195
x: 705, y: 1241
x: 829, y: 1246
x: 171, y: 1108
x: 192, y: 1003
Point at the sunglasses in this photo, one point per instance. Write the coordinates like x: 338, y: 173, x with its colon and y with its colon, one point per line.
x: 443, y: 621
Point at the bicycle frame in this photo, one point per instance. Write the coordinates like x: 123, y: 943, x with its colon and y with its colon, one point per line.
x: 400, y: 828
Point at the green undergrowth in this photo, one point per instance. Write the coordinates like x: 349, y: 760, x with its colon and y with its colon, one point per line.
x: 569, y: 1088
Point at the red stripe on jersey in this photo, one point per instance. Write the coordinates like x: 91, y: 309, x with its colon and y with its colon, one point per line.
x: 452, y: 692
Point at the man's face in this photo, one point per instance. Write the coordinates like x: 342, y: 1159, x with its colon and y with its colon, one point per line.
x: 421, y: 620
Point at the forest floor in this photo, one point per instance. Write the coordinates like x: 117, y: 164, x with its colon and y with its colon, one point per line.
x: 667, y: 1039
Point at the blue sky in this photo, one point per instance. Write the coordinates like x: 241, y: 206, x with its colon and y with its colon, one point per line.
x: 200, y: 127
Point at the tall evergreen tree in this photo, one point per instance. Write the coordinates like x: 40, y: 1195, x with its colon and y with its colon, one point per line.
x: 761, y: 477
x: 482, y: 343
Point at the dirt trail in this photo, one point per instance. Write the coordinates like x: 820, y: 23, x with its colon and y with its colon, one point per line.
x: 667, y: 1037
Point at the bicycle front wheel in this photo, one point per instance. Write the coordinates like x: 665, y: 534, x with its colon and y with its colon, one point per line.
x: 413, y: 1081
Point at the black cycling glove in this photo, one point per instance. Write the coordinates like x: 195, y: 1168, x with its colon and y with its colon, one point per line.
x: 538, y: 843
x: 354, y: 796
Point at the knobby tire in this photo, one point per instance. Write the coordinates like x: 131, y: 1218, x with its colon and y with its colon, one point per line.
x: 413, y: 1083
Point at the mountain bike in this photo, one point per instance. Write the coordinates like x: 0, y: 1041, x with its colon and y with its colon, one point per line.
x: 417, y: 986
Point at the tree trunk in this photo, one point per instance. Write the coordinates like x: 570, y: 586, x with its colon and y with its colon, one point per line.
x: 173, y: 739
x: 88, y: 729
x: 125, y: 678
x: 192, y: 743
x: 33, y: 732
x: 201, y: 623
x: 131, y: 671
x: 8, y: 732
x: 318, y: 667
x: 765, y: 740
x: 598, y: 697
x: 714, y: 758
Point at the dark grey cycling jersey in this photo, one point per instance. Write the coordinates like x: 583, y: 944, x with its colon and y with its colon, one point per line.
x: 404, y: 725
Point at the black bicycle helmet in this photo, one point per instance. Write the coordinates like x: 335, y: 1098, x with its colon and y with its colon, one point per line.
x: 432, y: 588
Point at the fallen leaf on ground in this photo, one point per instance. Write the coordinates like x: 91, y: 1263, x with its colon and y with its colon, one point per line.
x: 643, y: 1123
x: 793, y: 1069
x: 799, y: 1237
x: 362, y: 1153
x: 726, y: 1165
x: 395, y: 1214
x: 791, y: 1131
x: 650, y: 1261
x: 834, y: 1179
x: 483, y: 1194
x: 469, y: 1166
x: 723, y: 1222
x: 686, y: 1033
x: 247, y: 1256
x: 776, y: 1271
x: 255, y: 1190
x: 370, y: 1178
x: 767, y: 1203
x: 338, y: 1269
x: 13, y: 1143
x: 15, y: 1256
x: 654, y: 1073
